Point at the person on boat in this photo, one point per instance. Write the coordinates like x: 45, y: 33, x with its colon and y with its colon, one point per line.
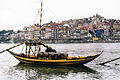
x: 49, y: 49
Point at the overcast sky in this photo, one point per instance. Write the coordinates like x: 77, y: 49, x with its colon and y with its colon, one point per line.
x: 15, y: 14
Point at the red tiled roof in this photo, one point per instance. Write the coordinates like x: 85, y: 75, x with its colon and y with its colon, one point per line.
x: 117, y: 29
x: 48, y: 31
x: 55, y: 24
x: 46, y: 28
x: 77, y: 19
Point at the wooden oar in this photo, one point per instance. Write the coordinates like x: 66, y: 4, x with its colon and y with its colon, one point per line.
x: 12, y: 47
x: 108, y: 61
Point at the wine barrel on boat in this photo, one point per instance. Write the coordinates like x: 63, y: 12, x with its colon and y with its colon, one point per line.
x: 51, y: 55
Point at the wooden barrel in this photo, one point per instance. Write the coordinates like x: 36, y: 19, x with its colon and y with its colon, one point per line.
x: 41, y: 55
x: 55, y: 56
x: 50, y: 56
x: 63, y: 55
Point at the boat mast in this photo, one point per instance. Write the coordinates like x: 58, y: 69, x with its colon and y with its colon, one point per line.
x: 40, y: 20
x: 40, y: 26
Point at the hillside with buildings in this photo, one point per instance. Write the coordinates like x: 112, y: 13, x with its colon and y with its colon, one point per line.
x: 94, y: 28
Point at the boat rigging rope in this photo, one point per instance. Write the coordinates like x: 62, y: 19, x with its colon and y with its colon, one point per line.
x: 36, y: 17
x: 22, y: 49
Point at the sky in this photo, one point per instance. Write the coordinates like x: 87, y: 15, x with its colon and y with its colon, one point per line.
x: 16, y: 14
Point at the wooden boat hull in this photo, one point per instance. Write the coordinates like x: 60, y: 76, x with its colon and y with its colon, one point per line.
x: 72, y: 61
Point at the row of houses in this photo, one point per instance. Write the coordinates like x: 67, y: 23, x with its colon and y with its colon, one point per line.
x: 86, y: 28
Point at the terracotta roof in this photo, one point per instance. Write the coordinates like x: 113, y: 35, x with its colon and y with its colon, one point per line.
x: 46, y: 28
x: 55, y: 24
x: 48, y: 31
x: 117, y: 29
x: 77, y: 19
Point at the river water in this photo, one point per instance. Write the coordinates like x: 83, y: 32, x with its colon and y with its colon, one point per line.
x: 10, y: 69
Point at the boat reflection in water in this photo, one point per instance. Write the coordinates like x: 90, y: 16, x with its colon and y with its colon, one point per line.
x: 53, y: 72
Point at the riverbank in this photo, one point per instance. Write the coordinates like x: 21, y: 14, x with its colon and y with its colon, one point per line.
x: 69, y: 42
x: 78, y: 41
x: 60, y: 41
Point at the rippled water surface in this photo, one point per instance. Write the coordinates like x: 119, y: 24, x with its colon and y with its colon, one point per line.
x: 10, y: 69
